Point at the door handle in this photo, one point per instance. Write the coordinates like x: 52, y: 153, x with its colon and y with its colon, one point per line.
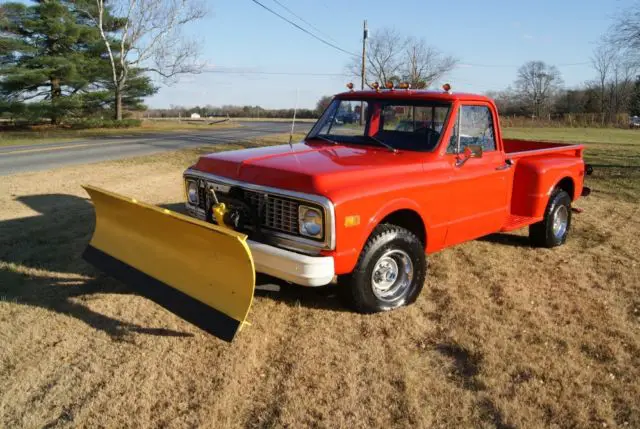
x: 507, y: 164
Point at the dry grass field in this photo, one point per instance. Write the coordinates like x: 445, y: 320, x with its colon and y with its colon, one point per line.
x: 503, y: 335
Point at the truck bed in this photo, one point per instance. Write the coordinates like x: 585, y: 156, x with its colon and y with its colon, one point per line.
x: 539, y: 167
x: 523, y: 148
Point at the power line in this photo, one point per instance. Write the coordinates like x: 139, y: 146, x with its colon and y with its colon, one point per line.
x: 305, y: 21
x: 277, y: 73
x: 303, y: 29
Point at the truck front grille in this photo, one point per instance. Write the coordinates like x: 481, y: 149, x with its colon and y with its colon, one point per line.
x: 278, y: 213
x: 275, y: 213
x: 202, y: 197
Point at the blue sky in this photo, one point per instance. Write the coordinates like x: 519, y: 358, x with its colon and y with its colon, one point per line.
x: 240, y: 36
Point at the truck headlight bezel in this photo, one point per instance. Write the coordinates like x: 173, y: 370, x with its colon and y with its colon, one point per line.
x: 311, y: 222
x: 192, y: 192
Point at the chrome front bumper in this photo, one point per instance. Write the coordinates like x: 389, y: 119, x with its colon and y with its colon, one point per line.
x: 285, y: 264
x: 291, y: 266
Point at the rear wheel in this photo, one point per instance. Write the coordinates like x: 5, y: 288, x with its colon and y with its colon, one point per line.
x: 390, y: 271
x: 554, y: 228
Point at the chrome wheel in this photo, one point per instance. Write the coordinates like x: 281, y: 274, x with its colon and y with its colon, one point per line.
x: 560, y: 222
x: 392, y: 275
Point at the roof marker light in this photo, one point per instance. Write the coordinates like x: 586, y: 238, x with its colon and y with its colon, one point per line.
x: 447, y: 88
x: 404, y: 85
x: 389, y: 85
x: 376, y: 86
x: 350, y: 86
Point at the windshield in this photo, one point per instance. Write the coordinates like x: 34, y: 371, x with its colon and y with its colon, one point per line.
x: 395, y: 124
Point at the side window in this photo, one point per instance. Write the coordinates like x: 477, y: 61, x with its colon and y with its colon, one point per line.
x: 476, y: 128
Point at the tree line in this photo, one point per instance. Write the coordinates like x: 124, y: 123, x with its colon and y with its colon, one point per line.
x: 230, y: 111
x: 65, y: 59
x: 608, y: 99
x: 538, y: 90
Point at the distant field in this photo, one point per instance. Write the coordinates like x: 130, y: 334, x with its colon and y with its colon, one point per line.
x: 503, y: 335
x: 580, y: 135
x: 53, y: 135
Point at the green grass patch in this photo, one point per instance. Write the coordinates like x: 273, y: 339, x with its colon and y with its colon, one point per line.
x: 577, y: 135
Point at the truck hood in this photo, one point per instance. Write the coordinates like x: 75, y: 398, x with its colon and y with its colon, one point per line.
x: 310, y: 167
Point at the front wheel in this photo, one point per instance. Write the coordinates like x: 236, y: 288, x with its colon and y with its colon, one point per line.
x: 390, y: 271
x: 554, y: 228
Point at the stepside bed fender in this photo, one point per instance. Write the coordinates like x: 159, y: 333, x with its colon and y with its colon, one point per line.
x: 536, y: 177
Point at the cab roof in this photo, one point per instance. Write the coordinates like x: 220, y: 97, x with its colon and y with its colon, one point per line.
x: 414, y: 94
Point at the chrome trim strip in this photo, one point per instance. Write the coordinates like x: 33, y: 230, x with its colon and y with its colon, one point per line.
x: 329, y: 242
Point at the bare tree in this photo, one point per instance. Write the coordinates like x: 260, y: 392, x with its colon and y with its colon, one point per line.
x: 625, y: 33
x: 145, y: 35
x: 391, y: 57
x: 423, y: 64
x: 602, y: 62
x: 537, y: 82
x: 623, y: 73
x: 384, y: 51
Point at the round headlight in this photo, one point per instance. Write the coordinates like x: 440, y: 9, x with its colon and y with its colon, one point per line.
x: 310, y: 222
x: 192, y: 192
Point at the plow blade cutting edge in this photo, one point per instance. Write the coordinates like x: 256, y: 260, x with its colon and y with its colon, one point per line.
x: 199, y: 271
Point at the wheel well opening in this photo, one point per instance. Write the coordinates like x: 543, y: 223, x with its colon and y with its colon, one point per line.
x: 567, y: 185
x: 409, y: 220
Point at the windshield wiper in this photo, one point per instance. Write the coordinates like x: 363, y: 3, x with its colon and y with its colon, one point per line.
x: 387, y: 145
x: 318, y: 136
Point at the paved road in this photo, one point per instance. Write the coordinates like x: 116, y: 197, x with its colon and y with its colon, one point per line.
x: 44, y: 156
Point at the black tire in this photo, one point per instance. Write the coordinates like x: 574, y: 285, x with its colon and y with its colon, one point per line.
x: 388, y: 244
x: 543, y: 233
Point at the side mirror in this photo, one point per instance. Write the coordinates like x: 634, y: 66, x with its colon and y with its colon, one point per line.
x: 470, y: 151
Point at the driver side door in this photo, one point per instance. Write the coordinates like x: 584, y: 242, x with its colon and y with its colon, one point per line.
x: 479, y: 186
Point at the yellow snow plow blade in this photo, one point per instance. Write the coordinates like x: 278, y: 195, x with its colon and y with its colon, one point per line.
x: 199, y: 271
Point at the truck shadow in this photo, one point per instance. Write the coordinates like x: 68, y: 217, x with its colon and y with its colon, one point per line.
x: 325, y: 297
x: 41, y: 264
x: 507, y: 239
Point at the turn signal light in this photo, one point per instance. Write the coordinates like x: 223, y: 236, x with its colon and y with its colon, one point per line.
x: 351, y: 221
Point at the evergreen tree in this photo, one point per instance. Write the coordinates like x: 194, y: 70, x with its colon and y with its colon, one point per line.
x: 46, y: 56
x: 102, y: 101
x: 52, y: 57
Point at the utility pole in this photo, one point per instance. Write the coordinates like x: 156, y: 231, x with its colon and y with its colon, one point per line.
x: 365, y: 34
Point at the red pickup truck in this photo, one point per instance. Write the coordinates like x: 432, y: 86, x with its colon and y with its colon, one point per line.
x: 363, y: 201
x: 366, y: 201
